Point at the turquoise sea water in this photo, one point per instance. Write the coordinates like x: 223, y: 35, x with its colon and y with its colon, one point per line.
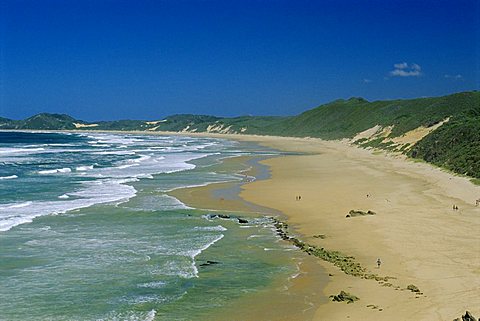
x: 87, y: 231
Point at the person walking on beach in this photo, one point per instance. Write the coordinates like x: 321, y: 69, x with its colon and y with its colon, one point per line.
x: 379, y: 262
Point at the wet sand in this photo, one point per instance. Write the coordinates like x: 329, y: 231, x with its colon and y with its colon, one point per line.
x: 295, y: 298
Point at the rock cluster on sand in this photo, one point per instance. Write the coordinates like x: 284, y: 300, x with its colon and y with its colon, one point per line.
x: 466, y: 317
x: 413, y: 288
x: 354, y: 213
x: 228, y: 217
x: 320, y: 236
x: 346, y: 263
x: 344, y: 296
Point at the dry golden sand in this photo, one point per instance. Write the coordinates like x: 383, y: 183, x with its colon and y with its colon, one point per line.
x: 417, y: 235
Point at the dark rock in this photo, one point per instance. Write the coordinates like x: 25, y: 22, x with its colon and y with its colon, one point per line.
x: 413, y: 288
x: 344, y: 296
x: 354, y: 213
x: 213, y: 262
x: 242, y: 221
x: 208, y: 263
x: 319, y: 236
x: 224, y: 216
x: 468, y: 317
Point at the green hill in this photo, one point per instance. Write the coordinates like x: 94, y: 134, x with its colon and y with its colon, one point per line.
x: 48, y: 121
x: 346, y: 118
x: 455, y: 145
x: 6, y: 123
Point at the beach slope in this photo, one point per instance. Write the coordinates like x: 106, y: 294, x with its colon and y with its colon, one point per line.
x: 418, y: 236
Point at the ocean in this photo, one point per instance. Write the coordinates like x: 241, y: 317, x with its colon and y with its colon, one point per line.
x: 89, y: 232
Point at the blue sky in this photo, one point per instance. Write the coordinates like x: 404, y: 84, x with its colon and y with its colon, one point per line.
x: 99, y: 60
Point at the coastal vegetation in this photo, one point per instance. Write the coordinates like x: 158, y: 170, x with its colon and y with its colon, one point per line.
x: 455, y: 145
x: 444, y: 131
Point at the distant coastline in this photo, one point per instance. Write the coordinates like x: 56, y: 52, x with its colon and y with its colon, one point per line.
x: 438, y: 130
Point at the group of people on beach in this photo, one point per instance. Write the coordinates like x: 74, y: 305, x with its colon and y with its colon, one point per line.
x: 477, y: 203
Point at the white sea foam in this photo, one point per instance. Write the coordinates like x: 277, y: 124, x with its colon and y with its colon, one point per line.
x: 55, y: 171
x: 210, y: 228
x: 151, y: 315
x: 153, y: 285
x: 160, y: 202
x: 148, y: 176
x: 187, y: 186
x: 126, y: 166
x: 93, y: 192
x: 145, y: 157
x: 172, y: 203
x: 101, y: 138
x: 20, y: 205
x: 195, y: 253
x: 15, y: 151
x: 61, y: 145
x: 114, y: 152
x: 147, y: 165
x: 130, y: 316
x: 84, y: 168
x: 51, y: 145
x: 8, y: 177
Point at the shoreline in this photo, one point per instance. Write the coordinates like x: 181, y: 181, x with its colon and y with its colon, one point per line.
x: 292, y: 298
x: 418, y: 237
x: 420, y: 240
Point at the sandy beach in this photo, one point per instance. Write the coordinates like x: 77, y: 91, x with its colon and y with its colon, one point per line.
x: 415, y: 232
